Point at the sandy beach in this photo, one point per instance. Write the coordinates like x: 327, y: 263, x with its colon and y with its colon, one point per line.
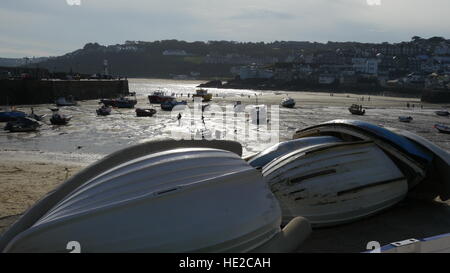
x: 27, y: 178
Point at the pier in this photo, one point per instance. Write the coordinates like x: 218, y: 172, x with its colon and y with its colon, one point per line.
x: 33, y: 91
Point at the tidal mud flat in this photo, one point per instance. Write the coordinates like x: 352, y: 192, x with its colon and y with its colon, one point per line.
x: 35, y: 163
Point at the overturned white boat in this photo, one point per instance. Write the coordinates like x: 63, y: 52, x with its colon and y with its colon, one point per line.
x: 264, y: 157
x: 162, y: 196
x: 335, y: 183
x: 323, y: 163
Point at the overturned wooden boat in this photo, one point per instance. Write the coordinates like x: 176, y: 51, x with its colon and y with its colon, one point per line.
x: 135, y: 200
x: 159, y: 97
x: 335, y: 183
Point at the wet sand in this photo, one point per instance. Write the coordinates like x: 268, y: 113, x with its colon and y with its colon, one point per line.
x: 38, y: 162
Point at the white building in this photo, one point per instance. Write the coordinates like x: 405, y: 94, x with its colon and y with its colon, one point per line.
x: 364, y: 65
x: 174, y: 52
x: 254, y: 72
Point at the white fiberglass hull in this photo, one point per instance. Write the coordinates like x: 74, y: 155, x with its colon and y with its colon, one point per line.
x: 182, y: 200
x: 331, y: 184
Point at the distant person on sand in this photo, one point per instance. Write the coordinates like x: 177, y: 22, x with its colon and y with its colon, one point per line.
x: 179, y: 118
x: 407, y: 104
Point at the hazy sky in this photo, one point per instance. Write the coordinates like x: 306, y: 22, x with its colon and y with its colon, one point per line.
x: 54, y: 27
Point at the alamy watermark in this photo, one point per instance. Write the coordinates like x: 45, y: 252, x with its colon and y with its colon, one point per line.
x: 249, y: 123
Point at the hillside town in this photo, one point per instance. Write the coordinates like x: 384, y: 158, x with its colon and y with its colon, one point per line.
x: 418, y: 64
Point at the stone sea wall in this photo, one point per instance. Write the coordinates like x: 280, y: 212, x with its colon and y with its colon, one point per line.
x: 28, y: 91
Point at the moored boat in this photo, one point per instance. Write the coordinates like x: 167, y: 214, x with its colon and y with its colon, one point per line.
x: 159, y: 97
x: 288, y: 102
x: 136, y: 201
x: 140, y: 112
x: 104, y: 110
x: 203, y: 93
x: 169, y: 105
x: 443, y: 113
x: 11, y: 115
x: 442, y: 128
x: 356, y: 110
x: 58, y: 118
x: 405, y: 118
x: 22, y: 124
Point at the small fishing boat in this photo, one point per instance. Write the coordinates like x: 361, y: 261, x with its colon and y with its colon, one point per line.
x: 288, y: 102
x: 442, y: 128
x: 122, y: 102
x: 11, y: 115
x: 335, y: 183
x: 443, y: 113
x: 58, y: 118
x: 22, y: 124
x: 169, y: 105
x: 140, y: 112
x: 135, y: 200
x: 62, y: 101
x: 202, y: 93
x: 356, y: 110
x: 104, y: 110
x: 405, y: 118
x: 159, y: 97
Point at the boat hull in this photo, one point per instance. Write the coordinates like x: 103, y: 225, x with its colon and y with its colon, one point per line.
x: 331, y: 184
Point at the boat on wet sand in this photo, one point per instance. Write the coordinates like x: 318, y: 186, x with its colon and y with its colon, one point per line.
x: 140, y: 112
x: 288, y: 102
x: 442, y: 128
x: 22, y: 124
x: 58, y: 118
x: 159, y: 97
x: 443, y: 113
x: 136, y: 201
x: 405, y: 119
x: 104, y: 110
x: 356, y: 110
x: 169, y: 105
x: 202, y: 93
x: 11, y: 115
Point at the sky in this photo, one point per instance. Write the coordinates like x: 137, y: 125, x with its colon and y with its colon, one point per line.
x: 55, y: 27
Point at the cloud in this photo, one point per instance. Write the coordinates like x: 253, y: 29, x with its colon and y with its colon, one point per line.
x: 55, y: 27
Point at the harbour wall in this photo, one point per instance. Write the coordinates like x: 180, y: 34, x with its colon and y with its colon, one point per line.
x: 29, y: 91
